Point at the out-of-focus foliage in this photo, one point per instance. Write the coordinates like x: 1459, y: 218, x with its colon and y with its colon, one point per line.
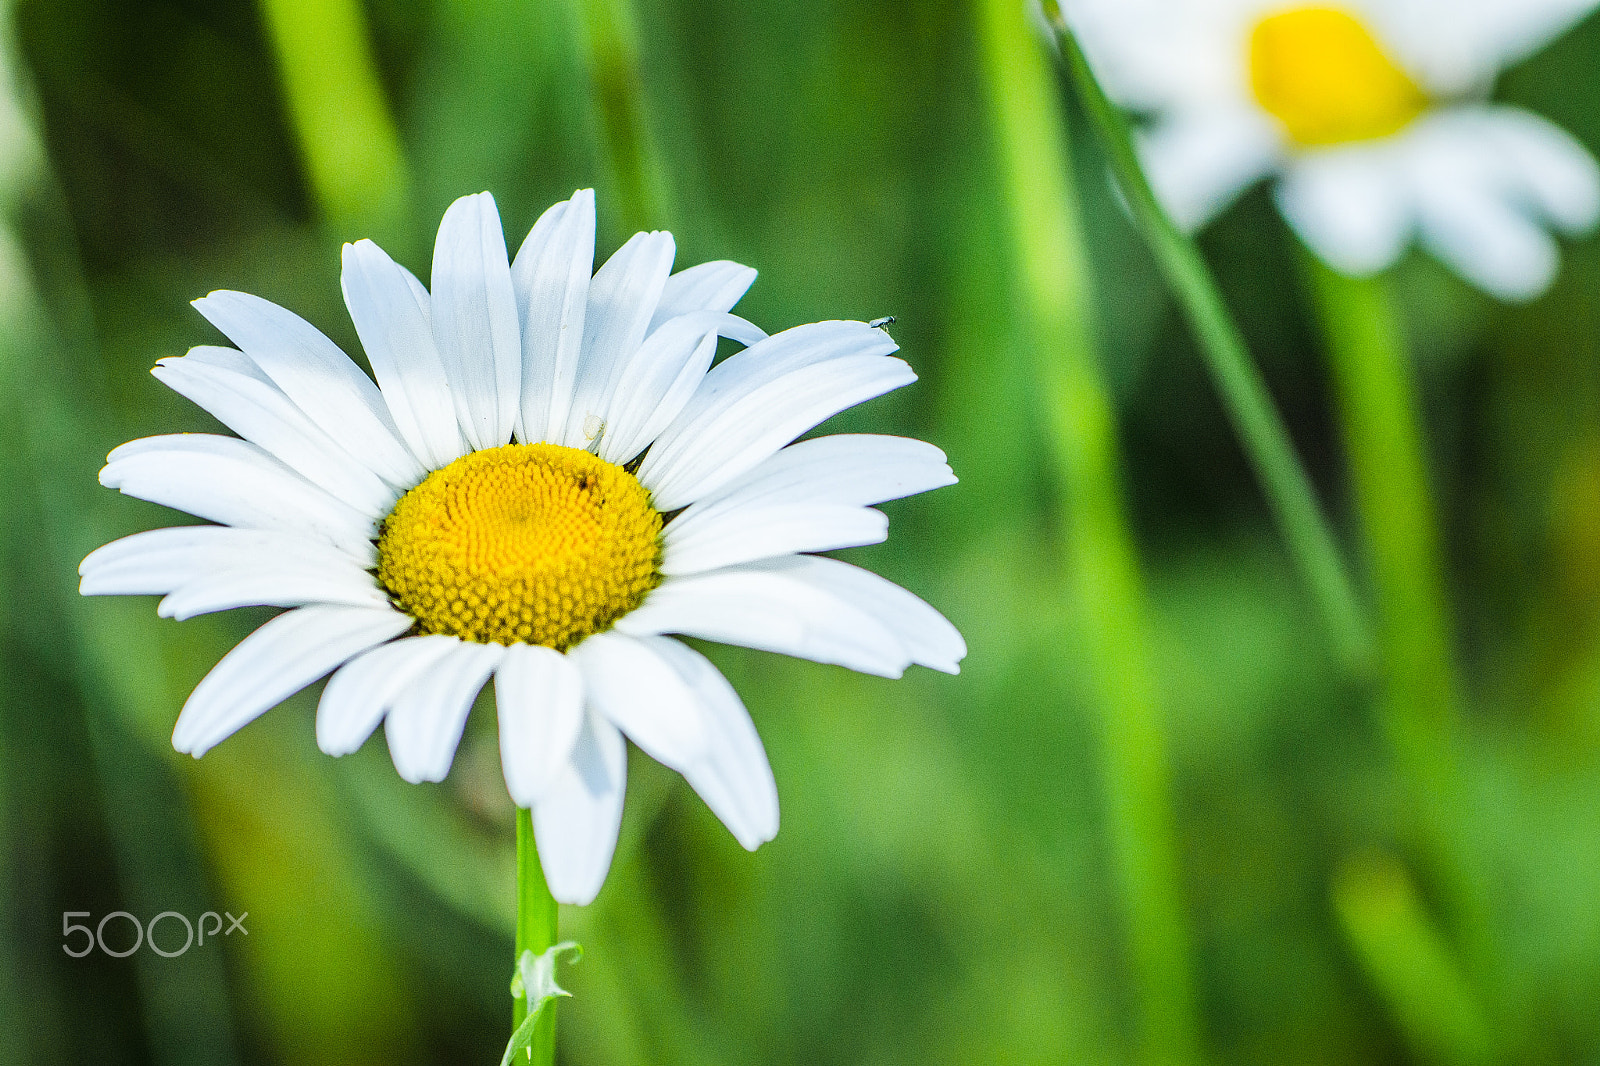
x: 940, y: 890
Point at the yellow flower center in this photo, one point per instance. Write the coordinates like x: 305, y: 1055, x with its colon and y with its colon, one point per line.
x: 1326, y: 78
x: 528, y: 542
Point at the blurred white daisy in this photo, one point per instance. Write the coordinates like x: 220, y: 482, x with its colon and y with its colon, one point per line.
x: 548, y: 478
x: 1374, y: 115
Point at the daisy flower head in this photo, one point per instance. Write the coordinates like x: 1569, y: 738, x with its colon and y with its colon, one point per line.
x: 1373, y: 116
x: 547, y: 482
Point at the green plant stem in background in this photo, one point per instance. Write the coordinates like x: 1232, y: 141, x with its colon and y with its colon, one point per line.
x: 13, y: 1011
x: 1256, y: 420
x: 1049, y: 253
x: 352, y: 150
x: 1409, y: 962
x: 1383, y: 438
x: 536, y: 932
x: 612, y: 47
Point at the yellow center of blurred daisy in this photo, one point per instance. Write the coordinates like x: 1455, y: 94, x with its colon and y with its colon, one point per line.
x: 531, y: 543
x: 1321, y: 72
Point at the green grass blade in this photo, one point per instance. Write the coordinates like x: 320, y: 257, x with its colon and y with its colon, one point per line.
x: 1102, y: 561
x: 352, y: 149
x: 1256, y: 420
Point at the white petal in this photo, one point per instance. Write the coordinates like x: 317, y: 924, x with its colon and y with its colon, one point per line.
x: 807, y: 497
x: 1457, y: 47
x: 639, y: 419
x: 318, y: 377
x: 809, y: 607
x: 859, y: 469
x: 425, y: 722
x: 1157, y: 55
x: 1199, y: 162
x: 539, y: 699
x: 576, y: 822
x: 734, y: 777
x: 750, y: 533
x: 640, y: 694
x: 661, y: 376
x: 1489, y: 243
x: 273, y: 663
x: 622, y: 299
x: 1350, y: 205
x: 1479, y: 196
x: 748, y: 372
x: 159, y: 561
x: 714, y: 286
x: 551, y: 279
x: 234, y: 483
x: 362, y: 691
x: 729, y: 439
x: 1541, y: 166
x: 285, y: 584
x: 392, y: 315
x: 770, y: 607
x: 260, y: 413
x: 928, y: 637
x: 763, y: 363
x: 475, y: 320
x: 231, y: 359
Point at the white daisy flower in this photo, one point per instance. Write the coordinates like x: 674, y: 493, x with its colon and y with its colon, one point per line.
x: 1373, y: 114
x: 547, y: 480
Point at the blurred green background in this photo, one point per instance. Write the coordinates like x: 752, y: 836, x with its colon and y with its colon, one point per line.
x: 941, y: 891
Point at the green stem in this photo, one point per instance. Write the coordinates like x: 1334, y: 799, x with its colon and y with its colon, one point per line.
x: 1310, y: 539
x: 348, y: 138
x: 1410, y: 963
x: 612, y: 45
x: 1032, y: 139
x: 1383, y: 437
x: 536, y: 932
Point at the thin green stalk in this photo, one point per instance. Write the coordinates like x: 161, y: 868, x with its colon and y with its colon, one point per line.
x: 612, y: 46
x: 1383, y: 438
x: 13, y: 1011
x: 536, y: 932
x: 1410, y: 963
x: 1310, y: 539
x: 352, y: 150
x: 1032, y: 141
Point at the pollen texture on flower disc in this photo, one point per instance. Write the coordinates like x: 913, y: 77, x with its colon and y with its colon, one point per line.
x: 1321, y: 72
x: 530, y: 543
